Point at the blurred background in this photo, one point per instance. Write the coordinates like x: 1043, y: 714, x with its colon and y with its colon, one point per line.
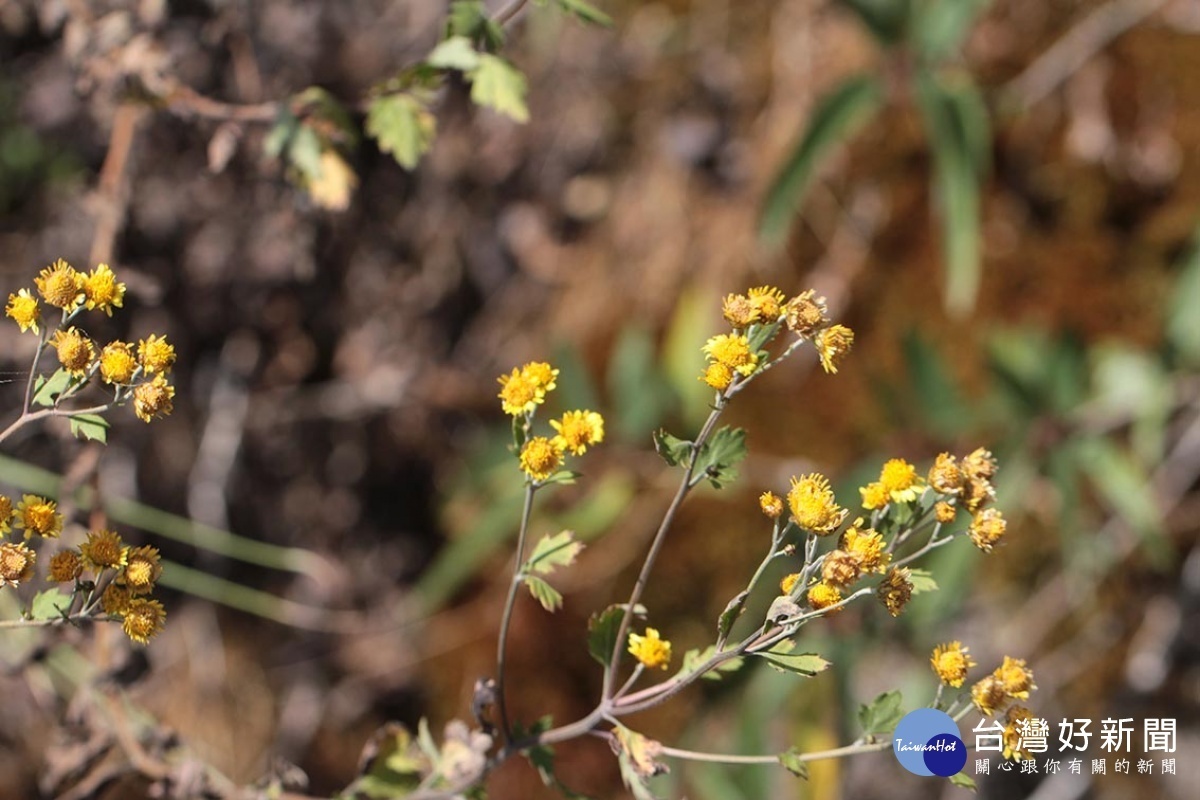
x: 1000, y: 198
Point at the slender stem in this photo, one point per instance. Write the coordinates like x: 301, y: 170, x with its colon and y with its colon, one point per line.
x: 505, y: 15
x: 506, y: 617
x: 933, y: 544
x: 652, y: 555
x: 633, y: 676
x: 32, y: 416
x: 37, y: 356
x: 724, y: 758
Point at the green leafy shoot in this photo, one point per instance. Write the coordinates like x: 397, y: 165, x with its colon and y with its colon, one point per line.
x: 498, y: 85
x: 720, y: 454
x: 91, y: 427
x: 402, y: 126
x: 792, y: 763
x: 46, y: 391
x: 673, y: 450
x: 552, y: 552
x: 922, y: 581
x: 882, y: 714
x: 781, y: 658
x: 693, y: 659
x: 549, y: 597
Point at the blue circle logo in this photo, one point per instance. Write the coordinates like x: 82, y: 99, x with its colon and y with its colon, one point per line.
x: 926, y: 742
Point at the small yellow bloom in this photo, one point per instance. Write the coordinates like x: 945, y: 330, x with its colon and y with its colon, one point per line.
x: 840, y: 568
x: 142, y: 569
x: 518, y: 395
x: 153, y: 399
x: 980, y: 464
x: 60, y: 285
x: 653, y: 651
x: 25, y: 310
x: 102, y: 290
x: 822, y: 596
x: 771, y: 504
x: 899, y: 479
x: 813, y: 504
x: 718, y: 376
x: 143, y: 619
x: 988, y: 695
x: 768, y: 302
x: 37, y: 515
x: 951, y: 661
x: 75, y: 351
x: 987, y: 528
x: 6, y: 514
x: 944, y: 512
x: 867, y: 545
x: 874, y: 496
x: 541, y: 375
x: 117, y: 363
x: 944, y: 476
x: 65, y: 566
x: 102, y: 550
x: 739, y: 311
x: 16, y: 563
x: 577, y: 430
x: 789, y: 583
x: 1015, y: 677
x: 1013, y: 737
x: 732, y: 351
x: 540, y: 457
x: 833, y: 344
x: 806, y: 314
x: 115, y: 599
x: 155, y: 354
x: 896, y: 590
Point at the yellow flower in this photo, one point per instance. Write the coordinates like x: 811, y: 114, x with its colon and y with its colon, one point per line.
x: 117, y: 363
x: 25, y: 310
x: 951, y: 661
x: 944, y: 476
x: 813, y: 505
x: 38, y: 515
x: 102, y: 290
x: 768, y: 302
x: 896, y: 590
x: 16, y: 563
x: 832, y: 346
x: 874, y: 496
x: 944, y: 512
x: 840, y: 568
x: 518, y: 395
x: 980, y: 464
x: 6, y: 514
x: 988, y: 695
x: 822, y: 596
x: 153, y: 399
x: 789, y: 582
x: 142, y: 569
x: 115, y: 599
x: 541, y: 375
x: 1012, y: 733
x: 806, y: 313
x: 771, y: 504
x: 65, y: 566
x: 75, y: 351
x: 653, y: 651
x: 987, y: 528
x: 1015, y: 677
x: 577, y: 430
x: 867, y: 545
x: 733, y: 351
x: 739, y: 311
x: 102, y: 550
x: 718, y: 376
x: 899, y: 479
x: 155, y: 354
x: 60, y: 285
x: 143, y: 619
x: 540, y: 457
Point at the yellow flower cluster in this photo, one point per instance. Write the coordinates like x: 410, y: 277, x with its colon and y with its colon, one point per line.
x: 813, y: 506
x: 135, y: 572
x: 1012, y: 680
x: 898, y: 483
x: 540, y: 457
x: 62, y: 286
x: 967, y: 483
x: 651, y: 650
x: 732, y: 354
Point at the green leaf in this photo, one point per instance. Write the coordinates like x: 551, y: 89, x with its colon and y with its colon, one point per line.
x: 470, y: 18
x: 720, y: 454
x: 956, y: 183
x: 552, y: 552
x: 836, y: 118
x: 759, y: 336
x: 91, y: 427
x: 941, y: 26
x: 792, y: 763
x: 922, y: 581
x: 402, y: 126
x: 280, y: 134
x: 500, y: 86
x: 454, y: 53
x: 602, y: 631
x: 49, y: 604
x: 695, y: 658
x: 672, y: 449
x: 963, y: 781
x: 586, y: 12
x: 47, y: 390
x: 781, y: 658
x: 1183, y: 319
x: 733, y: 610
x: 544, y: 593
x: 882, y: 714
x: 304, y: 153
x: 887, y: 20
